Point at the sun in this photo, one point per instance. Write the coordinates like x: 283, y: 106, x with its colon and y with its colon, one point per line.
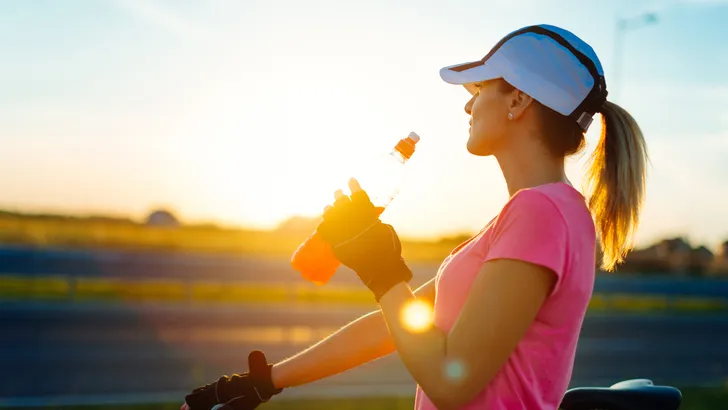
x: 311, y: 182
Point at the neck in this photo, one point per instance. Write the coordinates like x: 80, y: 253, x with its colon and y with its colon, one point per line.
x: 530, y: 166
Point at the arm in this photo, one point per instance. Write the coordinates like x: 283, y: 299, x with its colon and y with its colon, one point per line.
x: 525, y: 258
x: 359, y: 342
x: 522, y: 268
x: 453, y: 367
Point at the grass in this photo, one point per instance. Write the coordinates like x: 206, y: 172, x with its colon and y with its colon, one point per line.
x: 127, y: 235
x: 364, y: 403
x: 705, y: 398
x: 702, y: 398
x: 100, y: 233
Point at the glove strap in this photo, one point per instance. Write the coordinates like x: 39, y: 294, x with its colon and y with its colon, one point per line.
x: 260, y: 372
x: 266, y: 390
x: 382, y: 283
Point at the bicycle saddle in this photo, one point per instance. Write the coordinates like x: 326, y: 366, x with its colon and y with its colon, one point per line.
x: 635, y: 394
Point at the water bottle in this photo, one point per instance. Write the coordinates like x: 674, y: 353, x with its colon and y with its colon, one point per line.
x: 381, y: 179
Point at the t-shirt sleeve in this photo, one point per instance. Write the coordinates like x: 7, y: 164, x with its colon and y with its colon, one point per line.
x: 531, y: 229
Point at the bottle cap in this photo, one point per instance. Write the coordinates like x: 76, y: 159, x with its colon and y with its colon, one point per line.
x: 406, y: 146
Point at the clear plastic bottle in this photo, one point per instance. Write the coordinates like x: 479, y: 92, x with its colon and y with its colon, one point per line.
x: 381, y: 179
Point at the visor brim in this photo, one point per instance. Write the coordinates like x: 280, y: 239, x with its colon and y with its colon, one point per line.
x: 467, y: 74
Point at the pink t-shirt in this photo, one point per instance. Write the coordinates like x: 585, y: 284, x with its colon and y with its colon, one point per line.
x: 549, y: 225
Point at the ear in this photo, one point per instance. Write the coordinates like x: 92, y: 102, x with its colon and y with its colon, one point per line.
x: 518, y: 103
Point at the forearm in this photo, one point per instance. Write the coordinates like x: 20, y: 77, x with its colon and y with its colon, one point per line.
x: 359, y: 342
x: 423, y: 351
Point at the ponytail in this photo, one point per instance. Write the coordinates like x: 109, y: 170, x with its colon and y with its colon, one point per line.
x: 616, y: 183
x: 615, y: 180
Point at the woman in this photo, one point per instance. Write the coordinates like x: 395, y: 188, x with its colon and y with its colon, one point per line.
x: 509, y: 302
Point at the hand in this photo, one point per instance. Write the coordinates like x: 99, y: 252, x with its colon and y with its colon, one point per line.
x: 239, y: 392
x: 362, y: 242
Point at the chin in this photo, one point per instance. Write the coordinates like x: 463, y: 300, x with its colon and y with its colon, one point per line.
x: 480, y: 150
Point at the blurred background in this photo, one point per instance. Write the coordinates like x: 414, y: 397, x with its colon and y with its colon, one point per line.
x: 163, y: 159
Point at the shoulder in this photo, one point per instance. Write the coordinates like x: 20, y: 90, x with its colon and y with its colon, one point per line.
x: 532, y: 228
x: 529, y: 206
x: 556, y: 201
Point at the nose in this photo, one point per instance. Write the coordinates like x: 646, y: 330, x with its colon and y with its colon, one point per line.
x: 469, y: 106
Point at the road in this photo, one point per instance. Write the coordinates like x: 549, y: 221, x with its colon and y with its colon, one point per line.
x: 51, y: 349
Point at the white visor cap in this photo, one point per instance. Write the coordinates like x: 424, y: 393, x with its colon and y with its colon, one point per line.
x: 550, y: 64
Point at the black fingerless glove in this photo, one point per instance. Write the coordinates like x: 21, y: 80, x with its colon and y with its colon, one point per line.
x: 240, y: 392
x: 362, y: 242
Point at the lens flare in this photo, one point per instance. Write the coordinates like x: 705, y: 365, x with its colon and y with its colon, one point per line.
x: 417, y: 316
x: 454, y: 370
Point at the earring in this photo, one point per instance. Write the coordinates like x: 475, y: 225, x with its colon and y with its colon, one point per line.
x: 510, y: 115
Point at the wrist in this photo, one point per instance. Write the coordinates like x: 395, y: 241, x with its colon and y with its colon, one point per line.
x: 396, y: 297
x: 266, y: 388
x: 397, y: 273
x: 278, y: 376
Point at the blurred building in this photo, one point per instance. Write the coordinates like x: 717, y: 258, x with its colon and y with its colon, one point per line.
x: 701, y: 260
x: 162, y: 218
x: 674, y: 256
x: 719, y: 265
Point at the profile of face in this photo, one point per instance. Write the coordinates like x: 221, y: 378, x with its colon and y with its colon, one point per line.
x: 489, y: 109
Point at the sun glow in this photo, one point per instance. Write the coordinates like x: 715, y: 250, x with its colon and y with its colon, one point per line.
x: 417, y: 316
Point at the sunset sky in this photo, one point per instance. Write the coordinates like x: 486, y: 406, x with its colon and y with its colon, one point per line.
x: 248, y: 112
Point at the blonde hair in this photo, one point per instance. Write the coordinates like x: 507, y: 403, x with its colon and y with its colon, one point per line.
x: 616, y: 183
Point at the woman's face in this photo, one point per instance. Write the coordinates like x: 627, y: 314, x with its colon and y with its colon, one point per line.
x: 488, y: 109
